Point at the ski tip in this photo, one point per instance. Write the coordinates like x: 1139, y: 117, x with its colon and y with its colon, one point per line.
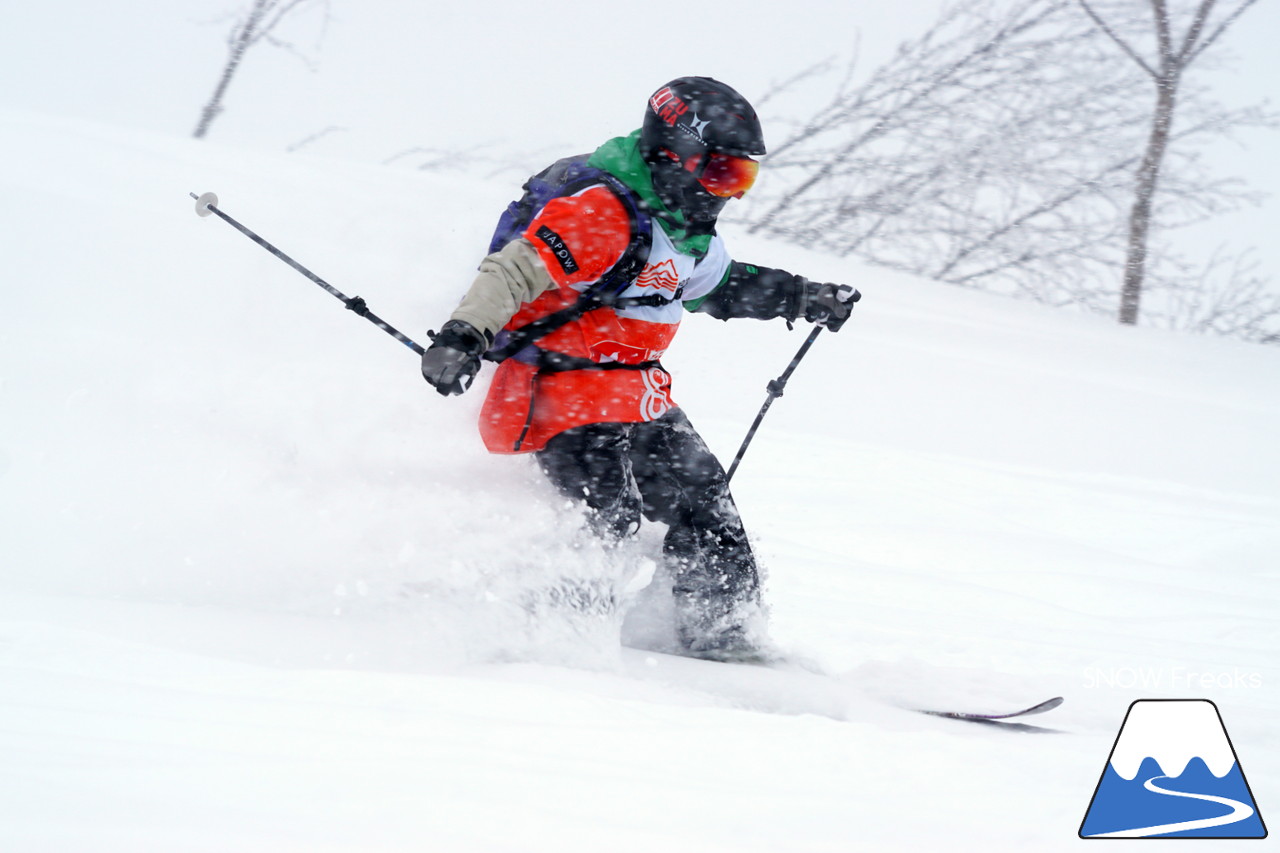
x: 205, y: 203
x: 1040, y: 708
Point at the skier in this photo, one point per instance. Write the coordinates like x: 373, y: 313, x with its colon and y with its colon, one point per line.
x: 583, y: 390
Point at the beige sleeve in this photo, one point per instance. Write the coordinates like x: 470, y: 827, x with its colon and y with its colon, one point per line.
x: 507, y: 279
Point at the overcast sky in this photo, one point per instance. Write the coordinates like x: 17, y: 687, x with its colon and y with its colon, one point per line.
x: 390, y: 76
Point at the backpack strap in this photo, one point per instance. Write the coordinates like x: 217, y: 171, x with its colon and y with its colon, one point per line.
x: 568, y: 177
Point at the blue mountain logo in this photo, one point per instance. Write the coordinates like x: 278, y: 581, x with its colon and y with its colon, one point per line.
x: 1173, y: 773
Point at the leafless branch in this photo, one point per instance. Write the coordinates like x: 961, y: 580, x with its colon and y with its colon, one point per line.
x: 258, y: 24
x: 1217, y: 32
x: 1121, y: 43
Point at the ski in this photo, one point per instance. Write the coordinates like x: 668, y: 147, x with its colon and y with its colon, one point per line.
x: 1047, y: 705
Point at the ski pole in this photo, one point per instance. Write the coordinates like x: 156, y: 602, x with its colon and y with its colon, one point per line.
x: 775, y: 389
x: 208, y: 203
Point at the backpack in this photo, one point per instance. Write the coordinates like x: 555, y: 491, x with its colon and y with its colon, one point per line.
x: 565, y: 178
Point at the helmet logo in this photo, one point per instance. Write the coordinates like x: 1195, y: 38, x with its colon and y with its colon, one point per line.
x: 667, y: 105
x: 695, y: 128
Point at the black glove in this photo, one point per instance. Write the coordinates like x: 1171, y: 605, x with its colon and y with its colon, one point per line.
x: 453, y: 358
x: 828, y: 304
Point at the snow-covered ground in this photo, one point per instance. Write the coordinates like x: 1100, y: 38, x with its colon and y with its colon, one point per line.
x: 262, y: 589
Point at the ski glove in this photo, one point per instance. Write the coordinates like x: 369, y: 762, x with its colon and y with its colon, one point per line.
x: 453, y: 359
x: 828, y: 304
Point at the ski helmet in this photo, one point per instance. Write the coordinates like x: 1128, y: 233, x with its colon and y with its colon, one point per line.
x: 699, y: 136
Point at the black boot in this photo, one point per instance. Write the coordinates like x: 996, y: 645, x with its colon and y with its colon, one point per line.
x: 718, y: 613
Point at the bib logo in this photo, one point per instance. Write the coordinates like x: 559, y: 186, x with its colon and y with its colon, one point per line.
x: 662, y: 276
x: 1173, y: 773
x: 655, y: 403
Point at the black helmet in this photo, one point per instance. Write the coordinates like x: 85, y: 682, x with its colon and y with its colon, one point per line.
x: 686, y: 121
x: 693, y: 115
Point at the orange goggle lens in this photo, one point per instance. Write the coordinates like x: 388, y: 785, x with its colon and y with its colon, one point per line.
x: 727, y: 176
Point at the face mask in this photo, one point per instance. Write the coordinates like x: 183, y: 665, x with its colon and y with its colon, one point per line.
x: 681, y: 191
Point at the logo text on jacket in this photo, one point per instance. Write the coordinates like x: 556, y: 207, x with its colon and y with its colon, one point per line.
x: 558, y: 248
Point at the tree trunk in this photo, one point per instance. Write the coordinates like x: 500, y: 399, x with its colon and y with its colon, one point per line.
x: 1144, y: 195
x: 241, y: 38
x: 214, y: 107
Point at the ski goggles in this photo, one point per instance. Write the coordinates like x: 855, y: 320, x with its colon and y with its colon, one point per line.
x: 724, y: 175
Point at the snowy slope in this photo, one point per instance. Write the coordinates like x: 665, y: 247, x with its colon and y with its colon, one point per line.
x: 260, y: 587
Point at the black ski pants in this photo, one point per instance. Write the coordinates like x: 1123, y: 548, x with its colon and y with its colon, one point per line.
x: 664, y: 471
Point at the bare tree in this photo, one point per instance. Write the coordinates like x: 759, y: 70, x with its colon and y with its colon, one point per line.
x: 976, y: 155
x: 1174, y: 54
x: 250, y: 28
x: 995, y: 151
x: 1224, y: 296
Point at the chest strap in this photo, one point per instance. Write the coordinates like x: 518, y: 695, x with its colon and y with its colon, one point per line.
x: 511, y: 341
x: 550, y: 361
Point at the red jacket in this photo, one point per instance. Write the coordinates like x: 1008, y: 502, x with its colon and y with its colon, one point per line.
x: 579, y: 238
